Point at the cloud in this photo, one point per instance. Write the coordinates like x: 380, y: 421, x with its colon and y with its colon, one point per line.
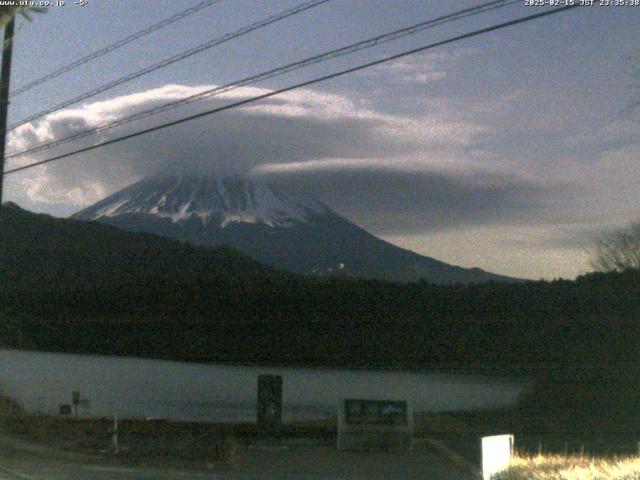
x: 390, y: 173
x: 391, y: 200
x: 421, y: 69
x: 560, y: 237
x: 293, y: 127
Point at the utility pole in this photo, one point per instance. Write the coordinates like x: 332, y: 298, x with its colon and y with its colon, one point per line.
x: 5, y: 75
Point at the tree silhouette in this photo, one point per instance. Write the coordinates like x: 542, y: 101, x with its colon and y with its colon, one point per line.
x: 618, y: 249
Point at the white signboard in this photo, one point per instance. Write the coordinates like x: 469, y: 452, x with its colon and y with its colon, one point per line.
x: 496, y: 454
x: 374, y: 425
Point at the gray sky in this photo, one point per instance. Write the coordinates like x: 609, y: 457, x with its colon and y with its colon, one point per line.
x: 507, y: 151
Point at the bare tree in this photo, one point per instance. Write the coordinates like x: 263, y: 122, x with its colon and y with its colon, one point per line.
x: 617, y: 250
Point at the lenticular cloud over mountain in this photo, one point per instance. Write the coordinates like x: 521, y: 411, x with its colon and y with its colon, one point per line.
x: 293, y: 127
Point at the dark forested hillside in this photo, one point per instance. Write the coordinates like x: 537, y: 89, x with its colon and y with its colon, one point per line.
x: 85, y: 287
x: 91, y: 287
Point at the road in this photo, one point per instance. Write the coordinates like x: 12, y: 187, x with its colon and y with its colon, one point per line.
x: 22, y: 461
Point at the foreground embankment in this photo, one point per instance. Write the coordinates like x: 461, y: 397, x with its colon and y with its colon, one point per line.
x: 560, y: 467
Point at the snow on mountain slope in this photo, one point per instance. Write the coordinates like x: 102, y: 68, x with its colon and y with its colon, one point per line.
x: 209, y: 198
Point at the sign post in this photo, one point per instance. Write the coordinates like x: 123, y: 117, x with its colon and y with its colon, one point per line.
x: 76, y: 400
x: 115, y: 433
x: 269, y: 402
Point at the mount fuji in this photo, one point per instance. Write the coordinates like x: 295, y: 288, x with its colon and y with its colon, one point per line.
x: 295, y: 233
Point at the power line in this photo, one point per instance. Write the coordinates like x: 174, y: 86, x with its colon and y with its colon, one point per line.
x: 176, y: 58
x: 114, y: 46
x: 364, y: 44
x: 298, y: 85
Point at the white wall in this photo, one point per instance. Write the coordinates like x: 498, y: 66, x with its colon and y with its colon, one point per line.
x: 139, y: 388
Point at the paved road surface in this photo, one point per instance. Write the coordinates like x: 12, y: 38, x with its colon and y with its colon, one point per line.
x: 21, y: 461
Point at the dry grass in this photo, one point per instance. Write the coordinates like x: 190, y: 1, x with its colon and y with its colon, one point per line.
x: 557, y: 467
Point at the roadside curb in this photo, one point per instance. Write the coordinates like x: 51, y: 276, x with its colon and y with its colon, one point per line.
x: 14, y: 475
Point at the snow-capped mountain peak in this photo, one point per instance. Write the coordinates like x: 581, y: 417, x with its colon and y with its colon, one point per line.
x: 272, y: 226
x: 225, y: 201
